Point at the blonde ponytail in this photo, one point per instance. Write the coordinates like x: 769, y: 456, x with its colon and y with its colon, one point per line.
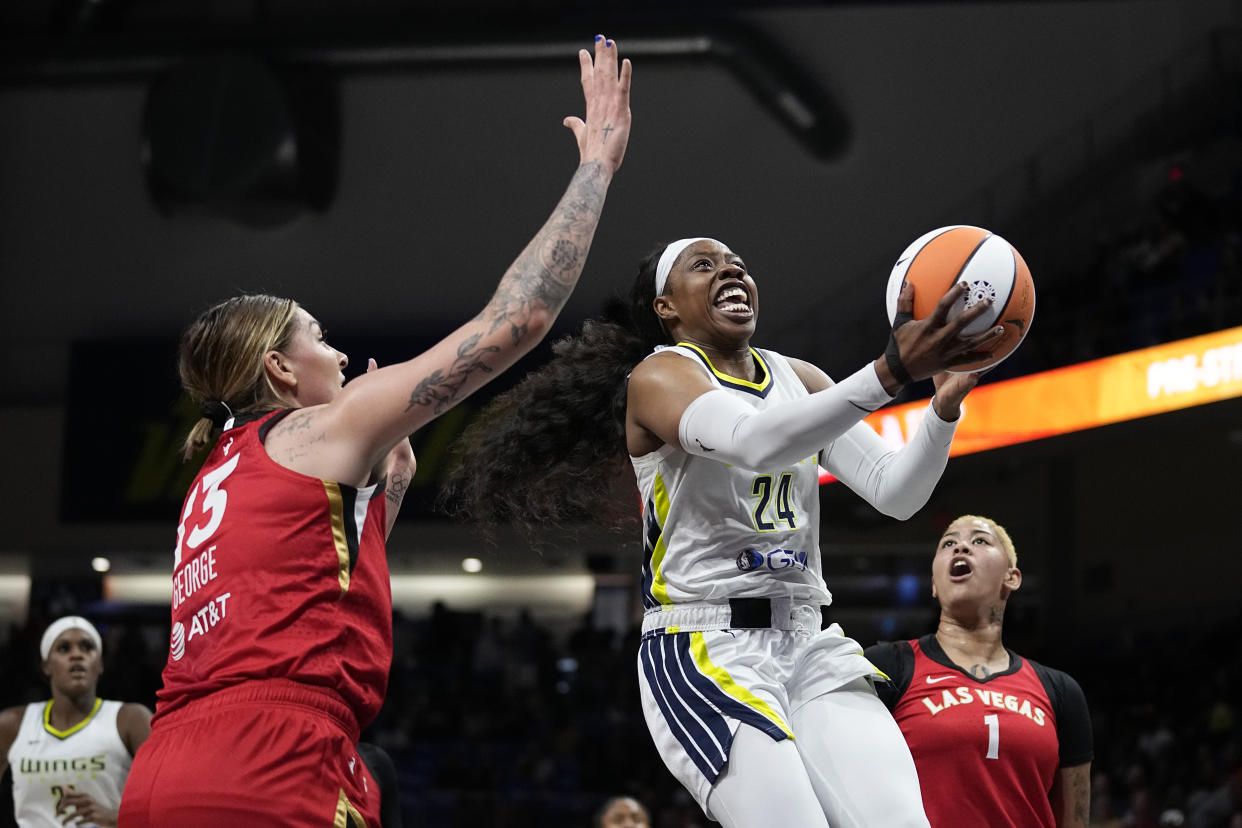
x: 221, y: 359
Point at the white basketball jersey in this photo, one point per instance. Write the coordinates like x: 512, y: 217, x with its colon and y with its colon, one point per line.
x: 89, y: 757
x: 713, y: 531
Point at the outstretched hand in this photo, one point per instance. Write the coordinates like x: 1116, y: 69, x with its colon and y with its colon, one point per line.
x: 926, y: 347
x: 605, y: 132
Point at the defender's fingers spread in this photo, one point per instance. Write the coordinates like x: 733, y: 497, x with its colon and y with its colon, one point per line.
x: 606, y: 57
x: 601, y: 47
x: 585, y: 67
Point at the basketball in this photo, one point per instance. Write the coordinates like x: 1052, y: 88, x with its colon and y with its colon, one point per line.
x: 990, y: 266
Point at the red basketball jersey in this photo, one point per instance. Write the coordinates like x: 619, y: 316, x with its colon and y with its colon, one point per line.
x: 278, y: 575
x: 987, y: 751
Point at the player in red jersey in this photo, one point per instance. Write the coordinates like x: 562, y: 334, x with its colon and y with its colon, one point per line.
x: 281, y: 611
x: 1004, y: 741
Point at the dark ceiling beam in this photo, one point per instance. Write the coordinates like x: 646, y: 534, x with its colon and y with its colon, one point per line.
x: 778, y: 84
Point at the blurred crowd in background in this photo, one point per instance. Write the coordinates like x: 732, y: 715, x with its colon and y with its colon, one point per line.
x: 507, y: 722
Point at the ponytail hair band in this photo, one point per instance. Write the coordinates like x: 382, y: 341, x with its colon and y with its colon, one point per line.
x: 217, y: 411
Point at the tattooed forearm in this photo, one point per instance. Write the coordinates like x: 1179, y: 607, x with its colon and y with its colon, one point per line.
x: 442, y: 390
x: 546, y: 271
x: 531, y: 293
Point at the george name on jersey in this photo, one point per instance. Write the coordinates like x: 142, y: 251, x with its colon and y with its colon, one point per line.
x: 989, y: 698
x: 197, y: 573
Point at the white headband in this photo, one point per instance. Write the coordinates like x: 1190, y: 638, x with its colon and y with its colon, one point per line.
x: 69, y: 622
x: 669, y: 256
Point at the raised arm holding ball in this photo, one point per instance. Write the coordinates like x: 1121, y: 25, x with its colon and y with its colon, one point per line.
x: 758, y: 704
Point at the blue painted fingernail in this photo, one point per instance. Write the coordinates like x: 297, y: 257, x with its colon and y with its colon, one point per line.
x: 598, y: 38
x: 610, y: 43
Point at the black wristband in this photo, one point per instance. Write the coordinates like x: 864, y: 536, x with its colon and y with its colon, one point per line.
x: 893, y: 357
x: 892, y: 354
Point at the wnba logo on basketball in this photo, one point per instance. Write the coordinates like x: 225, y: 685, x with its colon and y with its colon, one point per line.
x: 176, y: 646
x: 749, y: 559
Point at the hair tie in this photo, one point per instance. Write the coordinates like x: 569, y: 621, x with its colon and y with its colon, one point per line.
x: 216, y: 411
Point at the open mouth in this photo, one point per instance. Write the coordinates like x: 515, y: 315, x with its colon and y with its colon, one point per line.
x: 959, y: 569
x: 734, y: 300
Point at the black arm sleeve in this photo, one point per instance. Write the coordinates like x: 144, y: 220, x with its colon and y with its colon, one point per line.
x: 1069, y: 705
x: 896, y: 660
x: 380, y: 764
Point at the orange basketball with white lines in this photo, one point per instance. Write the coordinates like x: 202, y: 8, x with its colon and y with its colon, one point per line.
x: 991, y: 267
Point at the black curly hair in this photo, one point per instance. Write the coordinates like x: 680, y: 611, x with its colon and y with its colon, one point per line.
x: 551, y: 450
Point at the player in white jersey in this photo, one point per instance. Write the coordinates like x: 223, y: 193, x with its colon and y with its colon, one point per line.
x: 70, y: 755
x: 762, y: 708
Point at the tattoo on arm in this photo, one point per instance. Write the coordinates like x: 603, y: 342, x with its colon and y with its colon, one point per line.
x: 441, y: 390
x: 541, y: 279
x: 547, y: 270
x: 1080, y: 794
x: 395, y: 489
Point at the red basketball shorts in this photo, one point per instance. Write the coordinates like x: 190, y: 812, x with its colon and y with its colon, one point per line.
x: 266, y: 753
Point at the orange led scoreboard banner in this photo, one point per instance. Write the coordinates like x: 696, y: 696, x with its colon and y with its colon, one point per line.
x: 1155, y: 380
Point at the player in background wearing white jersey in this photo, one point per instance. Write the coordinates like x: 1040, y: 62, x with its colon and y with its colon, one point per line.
x: 70, y: 755
x: 757, y: 704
